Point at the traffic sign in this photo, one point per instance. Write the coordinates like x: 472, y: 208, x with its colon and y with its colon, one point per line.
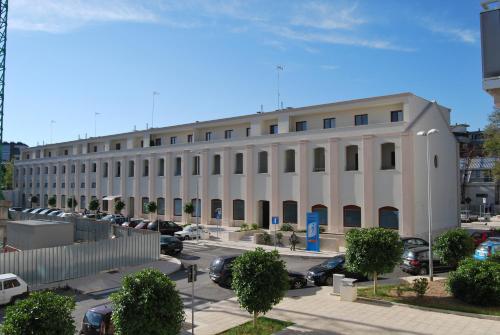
x: 275, y: 220
x: 192, y: 273
x: 218, y: 213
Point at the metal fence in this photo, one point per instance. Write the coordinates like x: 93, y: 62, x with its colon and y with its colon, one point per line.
x: 109, y: 247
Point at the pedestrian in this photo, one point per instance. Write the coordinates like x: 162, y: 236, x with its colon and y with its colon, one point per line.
x: 293, y: 241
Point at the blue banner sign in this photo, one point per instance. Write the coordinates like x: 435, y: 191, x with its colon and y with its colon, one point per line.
x: 312, y: 231
x: 275, y: 220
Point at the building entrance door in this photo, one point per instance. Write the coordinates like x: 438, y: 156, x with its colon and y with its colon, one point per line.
x: 264, y: 214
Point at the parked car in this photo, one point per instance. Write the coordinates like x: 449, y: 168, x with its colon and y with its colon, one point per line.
x: 170, y: 245
x: 55, y: 213
x: 166, y: 227
x: 487, y: 249
x: 220, y: 270
x: 296, y: 280
x: 47, y: 211
x: 131, y: 223
x: 416, y: 262
x: 66, y: 215
x: 114, y: 218
x: 12, y: 287
x: 28, y: 210
x: 15, y: 209
x: 142, y: 225
x: 413, y: 242
x: 97, y: 320
x: 479, y: 236
x: 322, y: 274
x: 37, y: 210
x: 190, y: 232
x: 467, y: 216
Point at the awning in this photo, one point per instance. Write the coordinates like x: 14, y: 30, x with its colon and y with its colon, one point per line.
x: 111, y: 197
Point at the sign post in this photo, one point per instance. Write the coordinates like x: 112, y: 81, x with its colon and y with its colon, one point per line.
x: 275, y: 222
x: 218, y: 217
x: 192, y: 276
x: 312, y: 231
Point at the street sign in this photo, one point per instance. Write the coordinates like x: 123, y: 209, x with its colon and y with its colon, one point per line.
x: 275, y: 220
x: 312, y: 231
x: 192, y: 273
x: 484, y: 200
x: 218, y: 213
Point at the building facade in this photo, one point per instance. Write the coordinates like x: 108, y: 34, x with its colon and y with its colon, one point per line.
x: 480, y: 190
x: 12, y: 150
x: 358, y: 163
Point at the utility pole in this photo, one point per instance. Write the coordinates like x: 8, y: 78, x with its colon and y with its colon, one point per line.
x: 278, y: 69
x: 153, y: 111
x: 4, y: 8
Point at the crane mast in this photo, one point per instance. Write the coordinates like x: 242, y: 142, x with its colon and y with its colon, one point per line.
x: 4, y: 8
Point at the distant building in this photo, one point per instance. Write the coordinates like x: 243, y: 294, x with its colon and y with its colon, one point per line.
x: 490, y: 47
x: 478, y: 187
x: 470, y: 142
x: 12, y: 150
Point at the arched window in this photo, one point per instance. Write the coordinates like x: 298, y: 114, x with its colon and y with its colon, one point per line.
x: 352, y: 216
x: 388, y: 156
x: 289, y: 211
x: 238, y: 209
x: 388, y: 217
x: 319, y: 159
x: 290, y: 160
x: 263, y: 162
x: 215, y: 204
x: 322, y: 210
x: 351, y: 158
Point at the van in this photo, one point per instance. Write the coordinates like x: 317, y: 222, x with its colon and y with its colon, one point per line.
x: 12, y: 287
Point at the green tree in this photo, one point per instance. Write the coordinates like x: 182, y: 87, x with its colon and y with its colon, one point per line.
x: 72, y: 203
x: 94, y: 205
x: 52, y: 201
x: 453, y: 246
x: 373, y: 251
x: 119, y: 206
x: 42, y: 313
x: 260, y: 281
x: 147, y: 303
x: 492, y: 139
x: 8, y: 175
x: 189, y: 208
x: 151, y: 208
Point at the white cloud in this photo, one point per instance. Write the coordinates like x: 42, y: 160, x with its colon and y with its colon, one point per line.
x: 58, y: 16
x: 323, y: 15
x: 453, y: 32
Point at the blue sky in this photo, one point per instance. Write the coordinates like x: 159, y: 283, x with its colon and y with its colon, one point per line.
x: 67, y: 60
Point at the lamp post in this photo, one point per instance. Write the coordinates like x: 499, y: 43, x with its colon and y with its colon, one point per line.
x: 427, y: 134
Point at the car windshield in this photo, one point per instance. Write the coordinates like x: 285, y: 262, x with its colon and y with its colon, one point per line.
x: 93, y: 318
x: 107, y: 217
x: 332, y: 263
x: 165, y: 239
x: 408, y: 254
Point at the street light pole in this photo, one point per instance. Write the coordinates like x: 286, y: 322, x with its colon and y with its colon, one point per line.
x: 429, y: 197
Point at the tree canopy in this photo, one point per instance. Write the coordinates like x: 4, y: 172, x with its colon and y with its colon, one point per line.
x: 453, y: 246
x: 94, y: 204
x: 119, y: 206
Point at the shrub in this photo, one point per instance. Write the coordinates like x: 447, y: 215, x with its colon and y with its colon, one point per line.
x: 254, y: 226
x: 42, y: 313
x: 286, y: 227
x: 495, y: 258
x: 420, y: 286
x: 476, y: 282
x: 260, y: 280
x: 373, y: 251
x: 119, y: 206
x: 453, y: 246
x: 72, y: 203
x: 189, y: 208
x: 279, y: 237
x: 147, y: 303
x: 52, y: 201
x: 244, y: 227
x: 94, y: 205
x: 265, y: 239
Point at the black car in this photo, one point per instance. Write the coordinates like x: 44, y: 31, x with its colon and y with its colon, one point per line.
x: 97, y: 321
x: 220, y: 270
x: 296, y: 280
x: 166, y: 227
x: 15, y: 209
x: 416, y: 262
x: 413, y: 242
x: 170, y: 245
x: 322, y: 274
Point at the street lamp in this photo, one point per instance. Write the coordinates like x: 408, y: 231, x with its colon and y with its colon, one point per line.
x: 427, y: 134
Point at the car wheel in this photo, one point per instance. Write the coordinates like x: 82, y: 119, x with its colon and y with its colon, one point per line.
x: 422, y: 271
x: 329, y: 281
x: 297, y: 284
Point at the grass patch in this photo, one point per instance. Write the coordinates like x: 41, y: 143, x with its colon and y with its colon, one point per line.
x: 436, y: 297
x: 265, y: 326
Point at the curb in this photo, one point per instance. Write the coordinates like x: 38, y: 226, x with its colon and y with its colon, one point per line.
x: 431, y: 309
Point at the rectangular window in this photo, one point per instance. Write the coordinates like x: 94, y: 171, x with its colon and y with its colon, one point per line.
x: 319, y: 160
x: 46, y: 170
x: 118, y: 146
x: 161, y: 167
x: 228, y: 134
x: 131, y: 166
x: 329, y: 123
x: 177, y: 207
x: 238, y: 210
x: 190, y: 138
x: 290, y: 161
x: 82, y: 185
x: 145, y: 170
x: 118, y: 169
x: 63, y: 170
x: 301, y: 126
x: 238, y: 166
x: 396, y: 116
x: 83, y: 168
x: 160, y: 202
x: 73, y: 169
x: 93, y: 184
x: 208, y: 136
x: 65, y: 152
x: 273, y: 129
x: 145, y: 201
x: 196, y: 165
x: 105, y: 170
x: 173, y: 139
x: 263, y: 162
x: 94, y: 167
x: 54, y: 169
x: 95, y: 148
x: 178, y: 166
x: 216, y: 168
x: 63, y: 185
x: 248, y: 132
x: 361, y: 120
x: 157, y: 142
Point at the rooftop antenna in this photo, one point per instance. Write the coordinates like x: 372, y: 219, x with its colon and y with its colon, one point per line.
x: 261, y: 108
x: 153, y: 111
x: 278, y: 69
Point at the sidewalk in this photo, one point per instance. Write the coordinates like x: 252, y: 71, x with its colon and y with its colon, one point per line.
x: 285, y: 251
x: 316, y: 311
x: 111, y: 280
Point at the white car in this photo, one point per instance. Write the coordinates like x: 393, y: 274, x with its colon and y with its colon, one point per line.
x: 189, y: 233
x: 11, y: 288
